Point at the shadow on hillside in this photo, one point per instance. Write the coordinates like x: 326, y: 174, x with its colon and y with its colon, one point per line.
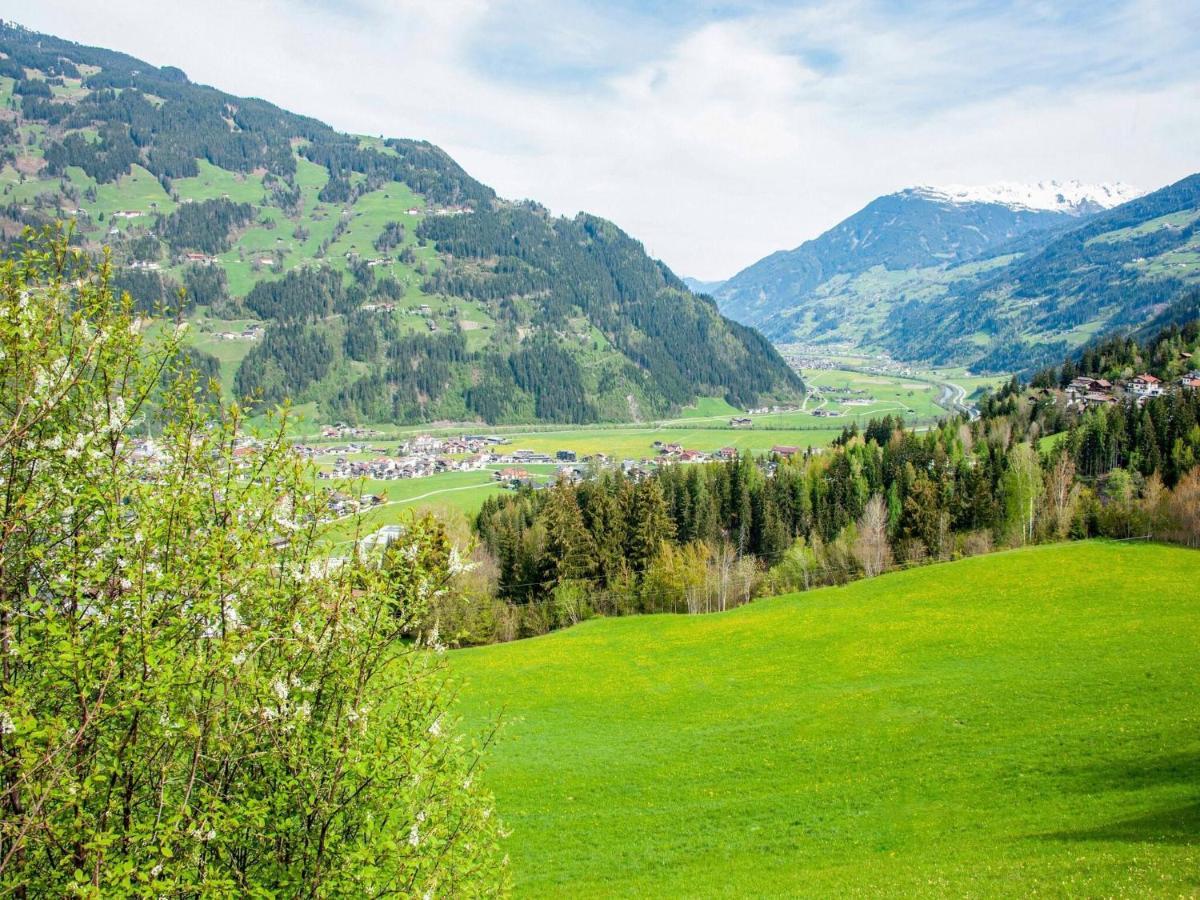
x: 1173, y: 825
x: 1137, y: 774
x: 1180, y: 825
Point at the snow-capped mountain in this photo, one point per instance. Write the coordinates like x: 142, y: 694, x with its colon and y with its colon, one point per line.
x: 1072, y: 197
x: 798, y: 294
x: 1004, y: 275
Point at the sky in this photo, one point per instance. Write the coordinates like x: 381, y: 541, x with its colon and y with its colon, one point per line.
x: 714, y: 132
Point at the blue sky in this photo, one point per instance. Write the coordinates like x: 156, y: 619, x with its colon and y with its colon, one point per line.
x: 716, y: 132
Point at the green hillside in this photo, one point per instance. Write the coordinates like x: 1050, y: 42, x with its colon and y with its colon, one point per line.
x: 978, y: 728
x: 370, y: 278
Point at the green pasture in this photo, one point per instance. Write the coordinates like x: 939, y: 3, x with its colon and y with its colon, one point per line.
x: 982, y: 728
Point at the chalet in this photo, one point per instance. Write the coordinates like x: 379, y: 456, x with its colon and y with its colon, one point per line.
x: 740, y: 422
x: 1097, y: 398
x: 785, y: 451
x: 692, y: 456
x: 633, y: 469
x: 425, y: 443
x: 726, y: 453
x: 512, y: 474
x: 565, y: 456
x: 1145, y: 386
x: 202, y: 258
x: 1191, y: 381
x: 570, y: 474
x: 1085, y: 392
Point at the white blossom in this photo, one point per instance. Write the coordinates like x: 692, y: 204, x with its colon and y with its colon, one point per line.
x: 457, y: 564
x: 7, y: 726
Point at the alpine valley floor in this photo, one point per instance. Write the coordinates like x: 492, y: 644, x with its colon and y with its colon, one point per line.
x: 979, y: 728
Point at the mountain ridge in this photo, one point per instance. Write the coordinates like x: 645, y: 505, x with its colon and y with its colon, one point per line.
x: 374, y: 279
x: 930, y: 277
x: 902, y: 231
x: 1072, y: 196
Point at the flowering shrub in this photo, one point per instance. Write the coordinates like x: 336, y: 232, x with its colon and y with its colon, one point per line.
x: 193, y: 700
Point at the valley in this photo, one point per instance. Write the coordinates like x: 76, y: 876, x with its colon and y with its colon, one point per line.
x: 838, y: 399
x: 365, y: 532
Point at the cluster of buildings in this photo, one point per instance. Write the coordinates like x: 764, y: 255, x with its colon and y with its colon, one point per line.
x: 767, y: 410
x: 343, y: 504
x: 673, y: 453
x: 339, y: 431
x: 414, y: 465
x: 249, y: 333
x: 1086, y: 392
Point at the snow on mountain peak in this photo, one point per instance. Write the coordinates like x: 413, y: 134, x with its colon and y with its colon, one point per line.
x: 1072, y: 197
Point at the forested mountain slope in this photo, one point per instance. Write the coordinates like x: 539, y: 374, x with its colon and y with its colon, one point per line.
x: 841, y: 284
x: 371, y: 277
x: 996, y: 286
x: 1118, y: 270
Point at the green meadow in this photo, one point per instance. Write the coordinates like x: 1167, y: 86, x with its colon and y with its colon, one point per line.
x: 449, y: 492
x: 979, y: 728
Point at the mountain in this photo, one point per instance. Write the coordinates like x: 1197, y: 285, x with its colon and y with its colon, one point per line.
x: 371, y: 277
x: 697, y: 286
x: 1071, y: 197
x: 1118, y: 270
x: 910, y: 245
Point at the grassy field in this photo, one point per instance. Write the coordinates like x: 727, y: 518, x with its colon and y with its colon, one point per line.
x: 461, y: 491
x: 981, y: 728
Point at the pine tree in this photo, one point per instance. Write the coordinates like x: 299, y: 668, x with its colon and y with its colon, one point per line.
x: 651, y: 525
x: 569, y: 553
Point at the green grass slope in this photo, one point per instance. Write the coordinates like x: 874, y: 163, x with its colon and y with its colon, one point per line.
x: 986, y: 727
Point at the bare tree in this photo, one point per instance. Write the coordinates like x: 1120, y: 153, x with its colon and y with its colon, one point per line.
x: 1023, y: 488
x: 1185, y: 508
x: 1061, y: 494
x: 871, y: 548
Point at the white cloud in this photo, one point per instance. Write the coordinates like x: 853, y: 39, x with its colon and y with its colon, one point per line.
x: 713, y: 139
